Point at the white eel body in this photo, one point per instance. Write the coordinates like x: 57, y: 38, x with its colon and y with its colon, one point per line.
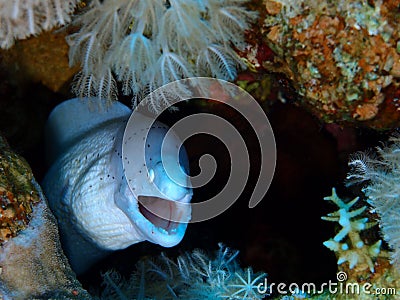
x: 87, y: 189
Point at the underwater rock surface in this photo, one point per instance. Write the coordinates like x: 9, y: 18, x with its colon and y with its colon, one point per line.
x: 342, y: 56
x: 32, y: 264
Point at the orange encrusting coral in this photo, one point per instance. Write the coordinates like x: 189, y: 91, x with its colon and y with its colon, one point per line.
x: 17, y: 194
x: 341, y: 56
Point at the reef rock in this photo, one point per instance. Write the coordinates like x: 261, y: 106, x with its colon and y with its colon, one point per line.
x: 343, y: 57
x: 32, y: 264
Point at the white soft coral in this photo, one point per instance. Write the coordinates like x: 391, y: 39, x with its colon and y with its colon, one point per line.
x: 380, y: 172
x: 22, y: 18
x: 146, y: 44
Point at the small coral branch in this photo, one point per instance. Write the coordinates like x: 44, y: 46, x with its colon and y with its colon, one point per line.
x: 22, y: 18
x: 353, y: 249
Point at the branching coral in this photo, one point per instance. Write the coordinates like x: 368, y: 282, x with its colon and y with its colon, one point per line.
x: 382, y: 175
x: 22, y: 18
x: 192, y: 276
x: 353, y: 250
x: 147, y: 44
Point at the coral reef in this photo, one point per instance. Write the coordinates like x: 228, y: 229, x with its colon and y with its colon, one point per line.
x: 22, y: 18
x: 32, y: 264
x: 343, y: 56
x: 354, y: 251
x: 147, y: 44
x: 140, y: 44
x: 192, y: 275
x: 381, y: 176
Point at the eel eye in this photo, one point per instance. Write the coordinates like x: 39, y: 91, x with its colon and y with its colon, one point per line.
x: 151, y: 175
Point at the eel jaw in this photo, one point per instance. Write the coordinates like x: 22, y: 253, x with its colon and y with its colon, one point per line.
x: 162, y: 221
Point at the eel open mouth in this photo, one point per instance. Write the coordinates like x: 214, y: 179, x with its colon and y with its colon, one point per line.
x: 161, y: 212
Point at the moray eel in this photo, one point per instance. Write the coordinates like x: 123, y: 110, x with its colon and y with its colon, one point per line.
x: 87, y: 189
